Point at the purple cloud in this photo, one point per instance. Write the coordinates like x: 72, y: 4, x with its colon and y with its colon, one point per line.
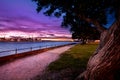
x: 21, y: 15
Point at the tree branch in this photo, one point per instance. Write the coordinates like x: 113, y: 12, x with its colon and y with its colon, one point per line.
x: 99, y: 27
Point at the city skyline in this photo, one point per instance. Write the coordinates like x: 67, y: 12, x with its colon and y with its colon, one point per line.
x: 20, y: 18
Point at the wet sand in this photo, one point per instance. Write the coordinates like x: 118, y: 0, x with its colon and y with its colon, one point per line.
x: 28, y: 67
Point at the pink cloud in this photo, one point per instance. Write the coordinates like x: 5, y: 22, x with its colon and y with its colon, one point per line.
x: 20, y: 16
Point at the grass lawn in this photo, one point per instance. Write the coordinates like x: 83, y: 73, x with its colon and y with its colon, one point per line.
x: 72, y: 62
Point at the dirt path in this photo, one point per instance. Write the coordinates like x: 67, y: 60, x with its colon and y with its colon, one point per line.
x: 29, y: 67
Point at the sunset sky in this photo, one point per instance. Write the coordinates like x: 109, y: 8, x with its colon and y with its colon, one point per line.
x: 19, y: 18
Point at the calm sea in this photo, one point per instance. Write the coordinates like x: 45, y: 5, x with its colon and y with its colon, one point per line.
x: 6, y: 46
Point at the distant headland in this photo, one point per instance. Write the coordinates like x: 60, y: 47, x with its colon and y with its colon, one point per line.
x: 34, y: 39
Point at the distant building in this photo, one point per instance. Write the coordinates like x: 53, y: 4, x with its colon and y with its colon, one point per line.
x: 97, y: 41
x: 20, y: 39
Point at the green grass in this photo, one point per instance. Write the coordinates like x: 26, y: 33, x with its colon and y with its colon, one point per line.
x: 70, y: 64
x: 75, y: 58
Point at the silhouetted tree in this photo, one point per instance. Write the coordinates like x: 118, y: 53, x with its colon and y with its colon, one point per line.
x: 104, y: 64
x: 84, y: 32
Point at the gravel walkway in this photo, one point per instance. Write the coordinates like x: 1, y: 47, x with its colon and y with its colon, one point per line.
x: 29, y: 67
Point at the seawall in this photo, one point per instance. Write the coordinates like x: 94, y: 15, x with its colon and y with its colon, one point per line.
x: 10, y: 58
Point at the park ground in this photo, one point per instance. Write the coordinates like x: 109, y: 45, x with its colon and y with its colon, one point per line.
x: 27, y: 68
x: 70, y: 64
x: 63, y: 63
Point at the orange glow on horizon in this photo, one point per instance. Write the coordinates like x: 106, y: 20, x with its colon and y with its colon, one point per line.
x: 57, y: 39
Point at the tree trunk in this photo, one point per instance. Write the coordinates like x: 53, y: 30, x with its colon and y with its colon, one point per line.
x: 83, y: 41
x: 104, y: 64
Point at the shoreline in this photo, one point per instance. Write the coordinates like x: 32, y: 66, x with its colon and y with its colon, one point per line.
x: 10, y: 58
x: 28, y: 67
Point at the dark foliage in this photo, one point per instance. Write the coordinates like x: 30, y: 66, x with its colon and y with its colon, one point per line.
x: 78, y: 12
x: 74, y: 9
x: 84, y: 32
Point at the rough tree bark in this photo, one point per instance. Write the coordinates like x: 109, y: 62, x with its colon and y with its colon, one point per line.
x: 104, y: 64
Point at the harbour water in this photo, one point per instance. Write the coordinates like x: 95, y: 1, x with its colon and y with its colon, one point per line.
x: 8, y: 48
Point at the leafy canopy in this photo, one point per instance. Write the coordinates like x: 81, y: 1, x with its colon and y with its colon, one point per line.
x: 79, y: 11
x: 85, y: 32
